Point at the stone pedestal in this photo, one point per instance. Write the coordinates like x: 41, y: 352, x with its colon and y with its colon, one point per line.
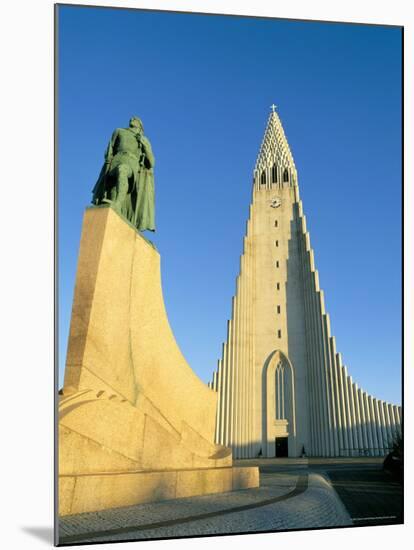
x: 135, y: 423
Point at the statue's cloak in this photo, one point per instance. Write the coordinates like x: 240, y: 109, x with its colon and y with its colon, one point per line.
x: 139, y: 206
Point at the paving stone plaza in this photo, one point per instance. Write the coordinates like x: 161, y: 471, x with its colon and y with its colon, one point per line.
x: 293, y: 494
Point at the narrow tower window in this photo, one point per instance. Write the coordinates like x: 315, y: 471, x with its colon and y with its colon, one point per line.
x: 274, y: 174
x: 263, y: 178
x: 276, y: 243
x: 276, y: 223
x: 278, y: 286
x: 277, y: 263
x: 278, y: 309
x: 279, y: 334
x: 286, y: 175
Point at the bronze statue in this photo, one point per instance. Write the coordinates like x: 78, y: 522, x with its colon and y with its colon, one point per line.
x: 126, y: 180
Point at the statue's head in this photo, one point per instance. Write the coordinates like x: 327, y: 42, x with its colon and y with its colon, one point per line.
x: 136, y: 122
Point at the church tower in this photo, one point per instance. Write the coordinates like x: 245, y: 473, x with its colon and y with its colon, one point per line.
x: 282, y: 387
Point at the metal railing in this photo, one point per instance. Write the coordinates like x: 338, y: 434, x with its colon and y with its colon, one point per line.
x: 364, y: 451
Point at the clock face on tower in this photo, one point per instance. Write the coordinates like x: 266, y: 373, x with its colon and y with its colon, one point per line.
x: 275, y: 202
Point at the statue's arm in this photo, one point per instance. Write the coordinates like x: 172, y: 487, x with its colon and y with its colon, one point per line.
x: 109, y: 153
x: 149, y: 156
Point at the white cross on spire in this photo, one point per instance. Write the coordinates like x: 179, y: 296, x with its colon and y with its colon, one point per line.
x: 273, y: 107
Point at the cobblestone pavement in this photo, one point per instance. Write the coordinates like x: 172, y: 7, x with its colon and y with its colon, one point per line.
x: 371, y: 496
x: 287, y: 500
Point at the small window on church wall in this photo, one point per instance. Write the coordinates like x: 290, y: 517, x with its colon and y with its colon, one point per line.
x: 263, y: 178
x: 279, y: 334
x: 278, y: 309
x: 276, y: 243
x: 286, y: 175
x: 274, y: 174
x: 277, y: 263
x: 276, y: 223
x: 278, y: 286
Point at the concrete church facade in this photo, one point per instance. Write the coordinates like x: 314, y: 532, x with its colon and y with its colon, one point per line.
x: 282, y: 387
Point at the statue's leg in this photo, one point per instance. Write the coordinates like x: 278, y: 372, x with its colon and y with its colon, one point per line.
x: 122, y: 173
x: 113, y: 193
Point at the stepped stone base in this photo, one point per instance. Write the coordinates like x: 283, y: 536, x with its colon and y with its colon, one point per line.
x: 89, y: 493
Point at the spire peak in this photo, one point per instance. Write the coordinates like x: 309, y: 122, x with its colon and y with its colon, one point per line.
x: 275, y: 162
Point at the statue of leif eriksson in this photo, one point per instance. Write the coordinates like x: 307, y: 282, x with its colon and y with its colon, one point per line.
x: 126, y: 180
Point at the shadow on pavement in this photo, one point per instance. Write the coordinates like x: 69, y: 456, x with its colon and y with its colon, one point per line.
x: 372, y: 497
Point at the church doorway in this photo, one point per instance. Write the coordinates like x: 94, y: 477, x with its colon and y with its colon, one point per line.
x: 281, y: 447
x: 278, y: 398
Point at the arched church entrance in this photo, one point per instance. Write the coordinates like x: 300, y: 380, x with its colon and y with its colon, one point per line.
x: 278, y: 398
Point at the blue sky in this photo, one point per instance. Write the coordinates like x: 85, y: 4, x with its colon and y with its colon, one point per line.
x: 203, y: 86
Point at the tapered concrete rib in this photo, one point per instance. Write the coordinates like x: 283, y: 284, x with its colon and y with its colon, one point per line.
x: 368, y: 423
x: 378, y: 425
x: 358, y: 418
x: 226, y: 389
x: 314, y: 450
x: 331, y: 385
x: 318, y: 365
x: 337, y: 396
x: 363, y: 420
x: 342, y: 403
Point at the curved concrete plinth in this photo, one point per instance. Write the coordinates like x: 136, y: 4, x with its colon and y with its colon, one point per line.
x: 135, y: 423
